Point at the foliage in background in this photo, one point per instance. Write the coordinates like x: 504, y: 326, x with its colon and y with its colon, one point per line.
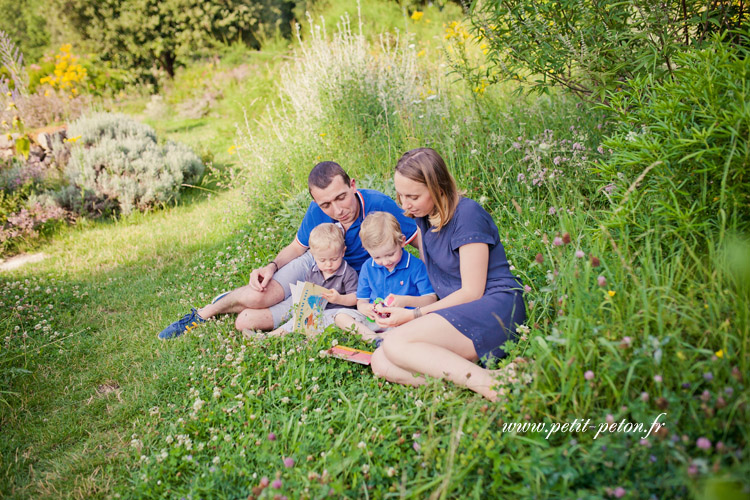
x: 593, y: 47
x: 350, y: 86
x: 25, y: 23
x: 26, y: 104
x: 683, y: 145
x: 118, y: 159
x: 146, y: 35
x: 68, y: 74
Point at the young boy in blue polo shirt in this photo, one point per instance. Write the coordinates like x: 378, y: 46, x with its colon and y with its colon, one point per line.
x: 390, y: 274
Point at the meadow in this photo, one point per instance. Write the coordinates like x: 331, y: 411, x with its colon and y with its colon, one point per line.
x: 637, y: 299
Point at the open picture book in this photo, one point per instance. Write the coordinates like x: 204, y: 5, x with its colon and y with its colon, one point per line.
x: 308, y: 306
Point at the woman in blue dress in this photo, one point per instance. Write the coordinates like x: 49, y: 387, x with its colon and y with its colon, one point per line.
x: 480, y: 301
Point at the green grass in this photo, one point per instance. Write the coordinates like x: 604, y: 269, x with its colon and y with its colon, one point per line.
x: 93, y: 405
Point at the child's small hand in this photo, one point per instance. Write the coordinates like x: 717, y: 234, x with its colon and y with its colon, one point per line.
x: 332, y: 296
x: 395, y: 301
x: 368, y: 310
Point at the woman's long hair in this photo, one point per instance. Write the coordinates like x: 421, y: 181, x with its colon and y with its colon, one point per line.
x: 426, y: 166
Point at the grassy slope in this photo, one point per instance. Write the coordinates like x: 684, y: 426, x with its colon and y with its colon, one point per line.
x: 116, y: 284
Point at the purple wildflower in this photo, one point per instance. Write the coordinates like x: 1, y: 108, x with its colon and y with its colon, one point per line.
x: 703, y: 443
x: 602, y: 281
x: 588, y: 375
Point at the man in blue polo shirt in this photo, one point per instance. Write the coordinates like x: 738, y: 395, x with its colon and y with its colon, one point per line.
x: 335, y: 199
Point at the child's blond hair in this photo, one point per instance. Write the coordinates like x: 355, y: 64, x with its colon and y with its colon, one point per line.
x: 380, y: 228
x: 326, y: 236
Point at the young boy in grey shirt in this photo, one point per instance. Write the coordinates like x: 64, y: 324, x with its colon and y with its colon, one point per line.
x: 330, y: 271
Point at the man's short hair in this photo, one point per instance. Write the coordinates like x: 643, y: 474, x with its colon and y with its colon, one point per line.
x: 322, y: 175
x: 380, y: 228
x: 326, y: 236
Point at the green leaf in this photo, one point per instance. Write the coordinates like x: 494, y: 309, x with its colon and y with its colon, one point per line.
x: 23, y: 146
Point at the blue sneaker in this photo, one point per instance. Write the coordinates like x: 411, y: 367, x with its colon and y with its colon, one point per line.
x: 219, y: 297
x: 185, y: 324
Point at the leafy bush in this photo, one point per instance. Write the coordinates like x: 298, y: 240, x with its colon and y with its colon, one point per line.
x: 684, y: 144
x: 137, y: 34
x: 118, y: 158
x: 90, y: 130
x: 593, y: 47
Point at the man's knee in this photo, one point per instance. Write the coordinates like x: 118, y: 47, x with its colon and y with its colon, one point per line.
x: 254, y: 319
x: 250, y: 298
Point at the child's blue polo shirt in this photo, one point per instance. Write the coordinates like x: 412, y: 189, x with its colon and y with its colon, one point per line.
x: 409, y: 277
x: 369, y: 201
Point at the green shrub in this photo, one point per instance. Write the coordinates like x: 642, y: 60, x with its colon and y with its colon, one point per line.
x: 593, y: 47
x: 118, y: 159
x: 684, y: 144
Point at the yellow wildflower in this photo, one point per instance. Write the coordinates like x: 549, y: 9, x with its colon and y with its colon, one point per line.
x: 72, y: 139
x: 322, y: 134
x: 421, y: 53
x: 417, y: 15
x: 231, y: 150
x: 719, y: 353
x: 611, y: 293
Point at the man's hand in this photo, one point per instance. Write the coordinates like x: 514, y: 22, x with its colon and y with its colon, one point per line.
x: 332, y: 296
x: 261, y: 277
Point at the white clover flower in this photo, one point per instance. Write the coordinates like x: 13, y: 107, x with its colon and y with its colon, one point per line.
x: 391, y: 472
x: 198, y: 404
x: 361, y: 445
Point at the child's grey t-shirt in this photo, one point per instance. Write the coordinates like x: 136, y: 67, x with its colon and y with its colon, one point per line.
x: 344, y: 281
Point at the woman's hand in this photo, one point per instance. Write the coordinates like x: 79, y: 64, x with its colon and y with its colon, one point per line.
x: 398, y: 316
